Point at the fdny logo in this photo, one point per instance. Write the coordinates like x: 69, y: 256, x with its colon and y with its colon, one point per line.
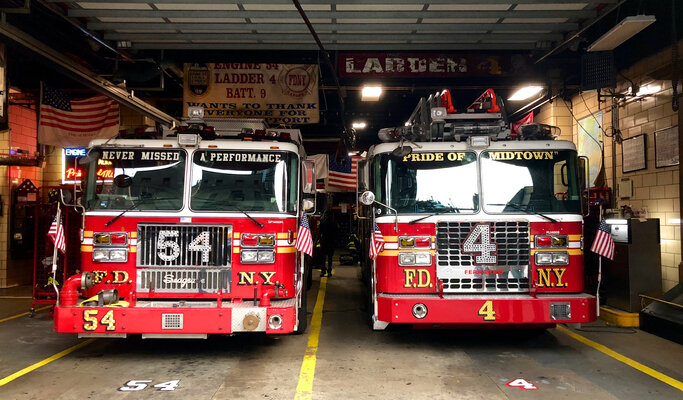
x: 479, y: 243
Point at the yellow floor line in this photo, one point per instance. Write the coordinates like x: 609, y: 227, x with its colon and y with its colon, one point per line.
x: 37, y: 365
x: 631, y: 363
x: 16, y: 297
x: 304, y: 389
x: 22, y: 314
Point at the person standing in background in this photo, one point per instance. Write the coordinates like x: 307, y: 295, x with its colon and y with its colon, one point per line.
x: 328, y: 241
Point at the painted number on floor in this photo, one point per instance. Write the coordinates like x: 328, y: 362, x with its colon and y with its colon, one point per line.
x: 522, y: 384
x: 487, y: 312
x: 90, y: 322
x: 139, y: 384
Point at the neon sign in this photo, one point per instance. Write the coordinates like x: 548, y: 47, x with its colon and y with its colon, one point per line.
x: 72, y: 171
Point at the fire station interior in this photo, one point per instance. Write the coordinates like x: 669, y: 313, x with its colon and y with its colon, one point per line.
x: 367, y: 96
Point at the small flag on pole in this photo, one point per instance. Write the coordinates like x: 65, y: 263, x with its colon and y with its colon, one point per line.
x: 603, y: 243
x: 56, y: 233
x: 376, y: 242
x: 304, y: 242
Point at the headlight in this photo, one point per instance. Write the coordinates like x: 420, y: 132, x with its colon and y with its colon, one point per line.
x: 249, y: 256
x: 100, y: 255
x: 552, y: 258
x: 405, y: 259
x: 561, y: 258
x: 266, y: 256
x: 114, y: 255
x: 118, y: 255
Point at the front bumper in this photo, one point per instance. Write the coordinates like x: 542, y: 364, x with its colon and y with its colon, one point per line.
x: 488, y: 309
x: 165, y: 319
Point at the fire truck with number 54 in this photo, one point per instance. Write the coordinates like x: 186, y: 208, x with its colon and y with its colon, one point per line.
x: 479, y: 226
x: 191, y: 234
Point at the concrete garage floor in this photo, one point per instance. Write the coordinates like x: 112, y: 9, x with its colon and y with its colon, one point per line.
x: 352, y: 361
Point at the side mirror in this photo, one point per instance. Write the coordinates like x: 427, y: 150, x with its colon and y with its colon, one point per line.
x: 584, y: 179
x: 65, y: 197
x: 401, y: 152
x: 367, y: 198
x: 308, y: 177
x: 123, y: 181
x: 307, y: 204
x: 584, y: 171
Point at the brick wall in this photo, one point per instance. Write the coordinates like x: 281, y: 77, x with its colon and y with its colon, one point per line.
x: 657, y: 189
x: 22, y: 134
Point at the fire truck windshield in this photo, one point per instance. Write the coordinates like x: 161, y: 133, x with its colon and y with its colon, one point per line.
x: 428, y: 182
x: 140, y: 179
x: 241, y: 180
x: 530, y: 181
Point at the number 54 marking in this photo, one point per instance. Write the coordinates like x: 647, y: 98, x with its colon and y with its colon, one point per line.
x: 139, y: 384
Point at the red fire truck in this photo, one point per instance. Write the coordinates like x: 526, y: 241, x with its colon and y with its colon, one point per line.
x: 480, y: 226
x: 191, y: 234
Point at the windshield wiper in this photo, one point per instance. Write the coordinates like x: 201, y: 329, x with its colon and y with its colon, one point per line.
x: 260, y: 225
x: 424, y: 217
x: 523, y: 209
x: 452, y: 209
x: 134, y: 206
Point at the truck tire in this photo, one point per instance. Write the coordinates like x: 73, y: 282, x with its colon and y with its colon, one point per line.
x: 302, y: 314
x: 308, y: 273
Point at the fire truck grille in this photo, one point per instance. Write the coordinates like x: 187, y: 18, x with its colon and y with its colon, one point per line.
x: 171, y: 245
x: 195, y: 280
x: 459, y: 271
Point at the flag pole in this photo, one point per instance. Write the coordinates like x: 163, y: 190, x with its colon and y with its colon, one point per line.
x: 597, y: 295
x: 55, y: 253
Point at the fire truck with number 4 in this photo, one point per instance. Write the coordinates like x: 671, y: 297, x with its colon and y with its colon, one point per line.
x: 480, y: 226
x: 191, y: 234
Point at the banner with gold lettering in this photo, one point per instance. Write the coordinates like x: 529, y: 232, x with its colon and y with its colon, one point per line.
x: 282, y: 94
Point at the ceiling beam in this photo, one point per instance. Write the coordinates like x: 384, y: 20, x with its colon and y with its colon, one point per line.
x: 83, y: 75
x: 337, y: 46
x: 377, y: 15
x: 284, y: 37
x: 354, y: 2
x: 444, y: 28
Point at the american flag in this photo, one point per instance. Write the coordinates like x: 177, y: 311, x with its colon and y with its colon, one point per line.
x: 603, y: 243
x: 68, y: 123
x: 343, y: 176
x: 376, y: 242
x: 304, y: 242
x: 56, y: 233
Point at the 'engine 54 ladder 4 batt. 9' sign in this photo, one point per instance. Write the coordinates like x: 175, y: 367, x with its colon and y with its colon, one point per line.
x: 284, y: 94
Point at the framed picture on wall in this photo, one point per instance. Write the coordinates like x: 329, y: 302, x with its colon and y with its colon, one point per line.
x: 666, y: 147
x: 634, y: 153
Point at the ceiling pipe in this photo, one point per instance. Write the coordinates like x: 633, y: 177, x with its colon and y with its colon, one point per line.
x: 580, y: 32
x: 340, y: 90
x: 88, y: 78
x: 85, y: 31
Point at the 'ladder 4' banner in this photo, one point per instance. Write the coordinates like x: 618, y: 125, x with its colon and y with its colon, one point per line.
x: 282, y: 94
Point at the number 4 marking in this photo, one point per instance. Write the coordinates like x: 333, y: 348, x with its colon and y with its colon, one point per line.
x: 167, y: 386
x: 522, y: 384
x: 487, y: 312
x: 485, y: 247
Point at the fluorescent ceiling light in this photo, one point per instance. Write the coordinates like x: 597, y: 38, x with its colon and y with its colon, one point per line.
x: 525, y: 93
x: 358, y: 125
x: 371, y: 93
x: 622, y: 32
